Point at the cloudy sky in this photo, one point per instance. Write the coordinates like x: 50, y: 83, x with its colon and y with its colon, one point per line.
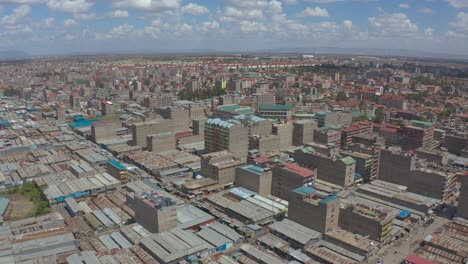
x: 72, y: 26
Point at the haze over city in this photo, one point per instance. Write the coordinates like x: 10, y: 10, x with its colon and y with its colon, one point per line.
x: 50, y: 27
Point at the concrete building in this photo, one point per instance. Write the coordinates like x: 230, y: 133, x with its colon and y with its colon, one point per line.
x: 456, y: 143
x: 376, y: 223
x: 369, y: 172
x: 285, y: 133
x: 462, y: 210
x: 357, y: 128
x: 264, y: 99
x: 328, y: 135
x: 254, y: 178
x: 142, y: 129
x: 107, y: 108
x: 117, y: 170
x: 265, y: 145
x: 289, y: 176
x: 420, y: 176
x: 229, y: 135
x: 104, y: 130
x: 199, y: 126
x: 61, y: 113
x: 153, y: 211
x: 277, y: 112
x: 220, y: 166
x: 331, y: 168
x: 75, y: 102
x: 418, y: 134
x: 180, y: 118
x: 161, y: 142
x: 303, y: 132
x: 394, y: 101
x: 314, y: 210
x: 333, y: 118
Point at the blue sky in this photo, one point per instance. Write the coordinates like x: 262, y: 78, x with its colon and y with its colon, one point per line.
x: 73, y: 26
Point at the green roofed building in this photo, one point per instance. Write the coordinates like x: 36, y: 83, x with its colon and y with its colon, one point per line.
x: 277, y: 112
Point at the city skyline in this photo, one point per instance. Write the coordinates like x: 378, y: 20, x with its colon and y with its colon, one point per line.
x: 48, y: 27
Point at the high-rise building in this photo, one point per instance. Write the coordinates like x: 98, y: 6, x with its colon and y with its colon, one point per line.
x: 75, y: 102
x: 107, y: 108
x: 161, y: 142
x: 463, y: 198
x: 289, y: 176
x: 220, y: 166
x: 331, y: 168
x: 276, y: 112
x: 61, y: 113
x: 254, y: 178
x: 418, y: 134
x: 333, y: 118
x: 229, y: 135
x: 303, y: 132
x: 179, y: 117
x: 104, y: 130
x: 357, y: 128
x: 314, y: 210
x: 394, y: 101
x: 142, y: 129
x: 284, y: 131
x: 154, y: 211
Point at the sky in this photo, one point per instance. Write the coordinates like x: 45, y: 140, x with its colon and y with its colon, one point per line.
x: 47, y: 27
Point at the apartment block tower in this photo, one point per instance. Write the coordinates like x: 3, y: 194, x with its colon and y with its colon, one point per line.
x: 154, y: 211
x: 142, y: 129
x: 229, y: 135
x: 309, y: 208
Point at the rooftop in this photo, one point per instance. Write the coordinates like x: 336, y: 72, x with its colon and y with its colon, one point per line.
x: 275, y: 107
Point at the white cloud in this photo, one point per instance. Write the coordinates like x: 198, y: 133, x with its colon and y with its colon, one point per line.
x: 391, y: 25
x: 426, y: 10
x: 48, y: 22
x: 290, y: 2
x: 210, y: 26
x: 85, y: 16
x: 149, y: 5
x: 458, y: 3
x: 404, y: 5
x: 251, y: 26
x: 195, y: 9
x: 429, y: 32
x: 247, y: 4
x: 459, y: 27
x: 121, y: 31
x: 17, y: 15
x: 70, y: 6
x: 232, y: 14
x: 118, y: 14
x: 70, y: 23
x: 313, y: 12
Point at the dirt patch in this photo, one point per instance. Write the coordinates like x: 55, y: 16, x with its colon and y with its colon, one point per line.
x: 20, y: 207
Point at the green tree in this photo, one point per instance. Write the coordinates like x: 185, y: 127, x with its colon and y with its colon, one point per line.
x: 341, y: 96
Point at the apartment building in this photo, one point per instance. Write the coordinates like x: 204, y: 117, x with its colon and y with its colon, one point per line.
x: 254, y: 178
x: 332, y: 168
x: 303, y: 131
x: 314, y: 210
x: 333, y: 118
x: 289, y: 176
x: 220, y: 166
x: 229, y: 135
x: 393, y: 101
x: 154, y: 211
x: 276, y: 112
x: 142, y: 129
x: 356, y: 128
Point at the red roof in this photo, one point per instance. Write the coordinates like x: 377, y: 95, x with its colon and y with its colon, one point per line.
x: 261, y: 160
x: 304, y: 172
x: 417, y: 260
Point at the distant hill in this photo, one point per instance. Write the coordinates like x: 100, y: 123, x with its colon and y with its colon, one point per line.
x: 13, y: 54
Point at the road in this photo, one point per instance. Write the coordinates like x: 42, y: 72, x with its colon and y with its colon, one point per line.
x: 407, y: 245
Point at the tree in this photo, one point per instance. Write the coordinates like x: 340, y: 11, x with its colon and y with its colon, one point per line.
x: 341, y: 96
x: 10, y: 91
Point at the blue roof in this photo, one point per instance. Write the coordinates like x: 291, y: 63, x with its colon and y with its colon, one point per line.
x: 404, y: 214
x: 242, y: 192
x: 117, y: 164
x: 255, y: 169
x: 4, y: 202
x: 328, y: 199
x: 304, y: 190
x: 83, y: 123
